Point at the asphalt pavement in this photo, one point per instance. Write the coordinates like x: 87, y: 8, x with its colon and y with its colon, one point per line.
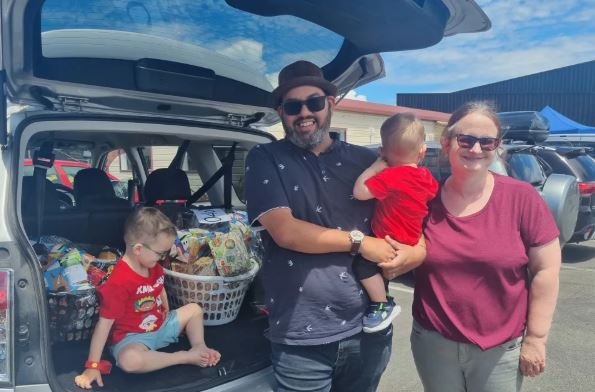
x: 571, y: 348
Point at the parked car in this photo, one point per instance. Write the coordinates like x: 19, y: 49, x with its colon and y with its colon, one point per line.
x: 573, y: 140
x: 121, y: 75
x: 63, y: 172
x: 520, y: 161
x: 575, y: 161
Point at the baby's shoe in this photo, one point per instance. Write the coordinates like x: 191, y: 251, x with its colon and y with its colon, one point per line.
x: 380, y: 315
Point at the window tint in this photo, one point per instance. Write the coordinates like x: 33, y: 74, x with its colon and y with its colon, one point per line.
x: 557, y: 162
x: 525, y: 167
x: 584, y: 167
x: 271, y: 41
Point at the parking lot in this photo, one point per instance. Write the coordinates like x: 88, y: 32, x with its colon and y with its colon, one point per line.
x: 571, y: 342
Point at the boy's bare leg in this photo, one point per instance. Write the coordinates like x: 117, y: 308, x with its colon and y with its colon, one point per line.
x: 191, y: 319
x: 137, y: 358
x: 374, y: 286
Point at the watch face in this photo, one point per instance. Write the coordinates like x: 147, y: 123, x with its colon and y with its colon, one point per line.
x: 356, y: 235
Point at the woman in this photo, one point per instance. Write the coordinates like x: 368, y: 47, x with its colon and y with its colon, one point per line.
x: 486, y: 293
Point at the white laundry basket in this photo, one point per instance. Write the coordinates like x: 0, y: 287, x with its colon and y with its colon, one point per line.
x: 220, y: 297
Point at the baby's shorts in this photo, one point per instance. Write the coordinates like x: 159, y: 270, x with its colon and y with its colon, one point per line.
x: 164, y: 336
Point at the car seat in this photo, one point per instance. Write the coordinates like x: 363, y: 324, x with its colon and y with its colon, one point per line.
x: 168, y: 189
x: 29, y: 200
x: 93, y: 190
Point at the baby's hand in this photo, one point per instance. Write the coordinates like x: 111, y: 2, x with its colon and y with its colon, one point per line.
x: 379, y: 165
x: 377, y: 250
x: 86, y: 379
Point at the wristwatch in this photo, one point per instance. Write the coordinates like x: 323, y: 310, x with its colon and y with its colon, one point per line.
x: 356, y: 237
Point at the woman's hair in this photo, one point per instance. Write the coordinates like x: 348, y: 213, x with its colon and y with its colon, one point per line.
x: 145, y: 224
x: 404, y: 133
x: 486, y: 108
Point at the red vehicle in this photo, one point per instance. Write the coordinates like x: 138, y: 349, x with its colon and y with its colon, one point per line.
x: 63, y: 172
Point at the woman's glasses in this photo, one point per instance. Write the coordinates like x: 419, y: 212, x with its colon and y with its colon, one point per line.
x: 468, y: 141
x: 292, y: 107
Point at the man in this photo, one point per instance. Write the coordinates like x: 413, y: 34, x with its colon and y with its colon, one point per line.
x: 300, y: 190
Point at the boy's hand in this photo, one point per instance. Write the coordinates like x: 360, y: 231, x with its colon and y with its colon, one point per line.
x: 377, y: 250
x: 86, y: 379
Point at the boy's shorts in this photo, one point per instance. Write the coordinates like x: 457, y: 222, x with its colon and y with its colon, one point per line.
x: 167, y: 334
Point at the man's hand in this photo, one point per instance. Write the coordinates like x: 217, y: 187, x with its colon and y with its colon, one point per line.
x: 532, y: 360
x: 86, y: 379
x: 377, y: 250
x: 407, y: 258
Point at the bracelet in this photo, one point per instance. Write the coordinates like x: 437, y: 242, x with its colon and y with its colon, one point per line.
x: 104, y: 366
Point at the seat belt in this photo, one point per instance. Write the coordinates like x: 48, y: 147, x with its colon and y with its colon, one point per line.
x: 43, y: 159
x: 225, y: 170
x: 176, y: 163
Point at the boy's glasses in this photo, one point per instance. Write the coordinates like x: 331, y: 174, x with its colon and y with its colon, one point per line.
x: 468, y: 141
x: 292, y: 107
x: 161, y: 255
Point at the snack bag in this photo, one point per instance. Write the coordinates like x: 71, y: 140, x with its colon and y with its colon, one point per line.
x: 230, y: 253
x: 204, y: 266
x: 74, y: 272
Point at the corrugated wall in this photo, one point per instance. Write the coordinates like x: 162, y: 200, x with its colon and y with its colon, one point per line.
x: 569, y: 90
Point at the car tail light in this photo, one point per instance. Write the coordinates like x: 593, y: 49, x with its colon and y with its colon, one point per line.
x: 586, y: 188
x: 6, y: 309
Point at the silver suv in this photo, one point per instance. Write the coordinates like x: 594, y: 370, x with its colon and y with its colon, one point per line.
x: 132, y: 86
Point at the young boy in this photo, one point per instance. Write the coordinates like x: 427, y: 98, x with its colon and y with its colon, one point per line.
x: 134, y: 307
x: 403, y: 190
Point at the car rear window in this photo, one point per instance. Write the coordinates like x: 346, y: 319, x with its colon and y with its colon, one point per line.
x: 264, y: 44
x: 584, y: 167
x: 525, y: 167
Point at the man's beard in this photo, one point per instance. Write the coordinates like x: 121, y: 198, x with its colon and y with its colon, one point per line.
x: 311, y: 140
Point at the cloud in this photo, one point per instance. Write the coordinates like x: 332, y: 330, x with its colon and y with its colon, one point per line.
x: 525, y: 38
x: 352, y: 94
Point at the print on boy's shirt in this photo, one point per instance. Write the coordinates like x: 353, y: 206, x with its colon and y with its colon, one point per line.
x: 146, y: 304
x: 149, y: 323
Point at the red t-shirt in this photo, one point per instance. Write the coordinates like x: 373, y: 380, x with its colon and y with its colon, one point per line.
x: 473, y: 284
x: 403, y: 193
x: 132, y: 300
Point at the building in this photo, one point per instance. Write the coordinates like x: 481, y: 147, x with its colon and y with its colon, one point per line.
x: 359, y: 122
x: 570, y: 90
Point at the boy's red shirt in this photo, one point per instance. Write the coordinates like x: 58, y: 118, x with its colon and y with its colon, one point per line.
x: 132, y: 301
x: 403, y: 193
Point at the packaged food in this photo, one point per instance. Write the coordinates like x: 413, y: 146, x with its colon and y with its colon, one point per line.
x: 230, y: 254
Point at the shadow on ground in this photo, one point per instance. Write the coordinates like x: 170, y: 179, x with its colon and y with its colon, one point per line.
x: 577, y: 253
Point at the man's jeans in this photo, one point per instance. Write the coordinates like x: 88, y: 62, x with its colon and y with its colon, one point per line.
x: 352, y: 364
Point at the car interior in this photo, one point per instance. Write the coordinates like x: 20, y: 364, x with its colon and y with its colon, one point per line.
x: 95, y: 217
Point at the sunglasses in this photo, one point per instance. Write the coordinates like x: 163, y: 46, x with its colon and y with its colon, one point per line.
x: 468, y: 142
x: 292, y: 107
x: 161, y: 255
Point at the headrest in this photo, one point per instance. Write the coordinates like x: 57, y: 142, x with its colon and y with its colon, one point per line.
x: 167, y: 184
x: 92, y: 182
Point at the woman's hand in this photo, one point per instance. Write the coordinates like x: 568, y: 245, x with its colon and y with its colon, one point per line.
x: 85, y: 380
x: 407, y: 258
x: 532, y: 360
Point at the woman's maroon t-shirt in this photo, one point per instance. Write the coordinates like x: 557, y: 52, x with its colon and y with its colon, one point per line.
x: 473, y: 285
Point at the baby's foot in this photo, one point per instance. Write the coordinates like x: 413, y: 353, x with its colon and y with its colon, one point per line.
x: 204, y: 356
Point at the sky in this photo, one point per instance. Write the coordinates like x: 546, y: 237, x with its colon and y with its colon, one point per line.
x: 526, y: 37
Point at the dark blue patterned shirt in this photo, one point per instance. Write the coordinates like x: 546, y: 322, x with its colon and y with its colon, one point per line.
x: 312, y: 298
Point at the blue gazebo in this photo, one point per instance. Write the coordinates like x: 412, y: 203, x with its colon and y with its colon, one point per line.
x: 559, y: 123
